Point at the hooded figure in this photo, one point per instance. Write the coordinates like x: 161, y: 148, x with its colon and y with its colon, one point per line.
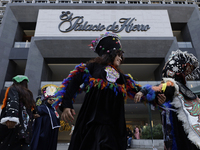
x: 100, y: 124
x: 180, y: 111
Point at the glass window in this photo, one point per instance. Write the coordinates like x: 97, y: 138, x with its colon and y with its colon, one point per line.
x: 87, y: 1
x: 17, y: 1
x: 111, y: 2
x: 64, y: 1
x: 156, y: 2
x: 40, y: 1
x: 133, y: 2
x: 4, y: 4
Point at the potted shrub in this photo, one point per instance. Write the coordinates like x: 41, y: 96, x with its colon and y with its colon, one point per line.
x: 156, y: 131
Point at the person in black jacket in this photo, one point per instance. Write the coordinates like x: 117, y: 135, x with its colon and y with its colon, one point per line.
x: 17, y: 116
x: 100, y: 124
x: 129, y: 137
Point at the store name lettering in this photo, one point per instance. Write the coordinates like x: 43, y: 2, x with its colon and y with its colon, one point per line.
x: 77, y: 24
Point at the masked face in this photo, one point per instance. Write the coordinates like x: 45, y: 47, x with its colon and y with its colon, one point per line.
x: 189, y: 69
x: 117, y: 61
x: 50, y: 101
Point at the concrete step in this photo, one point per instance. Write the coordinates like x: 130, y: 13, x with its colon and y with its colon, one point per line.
x: 147, y: 143
x: 64, y: 146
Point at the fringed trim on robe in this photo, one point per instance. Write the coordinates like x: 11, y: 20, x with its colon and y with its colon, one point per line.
x: 5, y: 98
x: 131, y: 85
x: 62, y: 89
x: 190, y: 128
x: 89, y: 82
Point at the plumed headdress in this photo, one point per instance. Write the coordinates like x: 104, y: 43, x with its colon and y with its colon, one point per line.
x: 47, y: 91
x: 106, y: 43
x: 181, y: 63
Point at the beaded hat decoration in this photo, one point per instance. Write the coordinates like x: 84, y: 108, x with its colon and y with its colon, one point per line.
x: 181, y: 62
x: 106, y: 43
x: 48, y: 91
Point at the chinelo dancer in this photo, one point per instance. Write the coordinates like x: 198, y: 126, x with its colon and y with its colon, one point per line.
x: 100, y: 124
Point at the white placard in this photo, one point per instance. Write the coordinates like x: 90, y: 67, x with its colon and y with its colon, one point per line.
x: 92, y: 23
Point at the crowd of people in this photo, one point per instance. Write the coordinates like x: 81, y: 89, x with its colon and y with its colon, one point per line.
x: 100, y: 124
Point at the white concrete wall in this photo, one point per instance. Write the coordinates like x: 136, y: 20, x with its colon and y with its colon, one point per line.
x: 158, y: 20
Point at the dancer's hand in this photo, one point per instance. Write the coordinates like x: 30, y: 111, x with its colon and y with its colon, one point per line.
x: 10, y: 124
x: 68, y: 114
x: 36, y: 116
x: 137, y: 97
x: 161, y: 98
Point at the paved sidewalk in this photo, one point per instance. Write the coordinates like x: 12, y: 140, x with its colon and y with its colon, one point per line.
x: 64, y: 146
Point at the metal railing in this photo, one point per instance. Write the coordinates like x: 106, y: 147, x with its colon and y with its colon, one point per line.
x: 22, y: 45
x: 185, y: 45
x: 106, y: 1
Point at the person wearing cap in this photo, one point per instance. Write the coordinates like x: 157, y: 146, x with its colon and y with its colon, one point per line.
x: 17, y: 116
x: 100, y: 124
x: 180, y: 110
x: 46, y: 127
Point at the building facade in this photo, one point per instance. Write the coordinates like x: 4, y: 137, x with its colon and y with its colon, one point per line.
x: 46, y: 41
x: 3, y: 3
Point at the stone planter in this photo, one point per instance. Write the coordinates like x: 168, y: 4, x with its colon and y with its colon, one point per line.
x: 147, y: 143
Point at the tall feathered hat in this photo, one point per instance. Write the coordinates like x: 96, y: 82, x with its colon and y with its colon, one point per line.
x: 106, y: 43
x: 47, y: 91
x: 181, y: 63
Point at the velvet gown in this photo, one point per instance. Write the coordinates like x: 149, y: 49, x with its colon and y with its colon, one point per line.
x: 100, y: 123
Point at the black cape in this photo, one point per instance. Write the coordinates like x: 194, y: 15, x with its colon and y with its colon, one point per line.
x: 20, y: 136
